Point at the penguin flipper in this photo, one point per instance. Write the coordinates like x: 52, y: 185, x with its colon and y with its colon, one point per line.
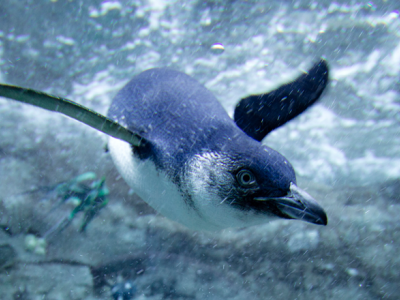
x: 258, y: 115
x: 71, y: 109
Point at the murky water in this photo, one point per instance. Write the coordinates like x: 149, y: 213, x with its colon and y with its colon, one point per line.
x: 345, y: 150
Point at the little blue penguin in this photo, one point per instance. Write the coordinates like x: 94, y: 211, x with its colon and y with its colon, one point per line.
x: 179, y: 150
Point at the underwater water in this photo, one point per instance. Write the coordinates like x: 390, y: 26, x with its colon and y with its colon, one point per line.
x: 345, y: 150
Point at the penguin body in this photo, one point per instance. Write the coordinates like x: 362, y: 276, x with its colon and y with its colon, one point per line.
x: 186, y: 168
x: 178, y: 149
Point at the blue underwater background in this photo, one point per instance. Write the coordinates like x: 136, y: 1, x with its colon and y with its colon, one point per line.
x: 345, y: 150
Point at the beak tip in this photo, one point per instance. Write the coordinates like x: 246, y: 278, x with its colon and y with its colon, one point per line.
x: 322, y: 216
x: 325, y: 220
x: 313, y: 212
x: 317, y: 216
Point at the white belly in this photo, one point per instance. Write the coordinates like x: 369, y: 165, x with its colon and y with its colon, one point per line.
x: 154, y: 187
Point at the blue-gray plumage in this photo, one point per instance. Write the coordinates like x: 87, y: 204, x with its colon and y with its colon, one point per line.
x: 221, y: 175
x: 179, y: 150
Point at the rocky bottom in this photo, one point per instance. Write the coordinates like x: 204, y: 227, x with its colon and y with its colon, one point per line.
x: 354, y: 257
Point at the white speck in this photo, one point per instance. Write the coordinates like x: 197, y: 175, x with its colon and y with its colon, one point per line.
x: 329, y: 266
x: 205, y: 18
x: 217, y: 48
x: 144, y: 32
x: 352, y: 272
x: 128, y: 285
x: 65, y: 40
x: 140, y: 13
x: 394, y: 14
x: 22, y: 38
x: 106, y: 6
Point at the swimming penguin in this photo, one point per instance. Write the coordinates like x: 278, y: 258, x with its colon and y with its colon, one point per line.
x: 178, y: 149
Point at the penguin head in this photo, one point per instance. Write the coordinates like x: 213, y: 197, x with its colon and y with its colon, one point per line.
x: 248, y: 184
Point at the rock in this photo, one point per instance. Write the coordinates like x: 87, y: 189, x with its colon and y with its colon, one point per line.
x: 8, y: 256
x: 303, y: 240
x: 47, y: 281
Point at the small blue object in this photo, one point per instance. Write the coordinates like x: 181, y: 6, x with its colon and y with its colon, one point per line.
x: 90, y: 195
x: 123, y: 290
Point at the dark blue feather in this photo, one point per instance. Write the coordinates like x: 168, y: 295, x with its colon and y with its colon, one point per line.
x: 258, y: 115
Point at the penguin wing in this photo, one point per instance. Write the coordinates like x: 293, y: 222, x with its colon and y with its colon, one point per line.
x: 258, y: 115
x: 71, y: 109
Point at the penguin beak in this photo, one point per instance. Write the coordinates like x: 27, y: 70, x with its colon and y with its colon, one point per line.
x: 299, y: 205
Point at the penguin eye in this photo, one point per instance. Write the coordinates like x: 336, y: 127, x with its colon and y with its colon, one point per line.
x: 246, y: 178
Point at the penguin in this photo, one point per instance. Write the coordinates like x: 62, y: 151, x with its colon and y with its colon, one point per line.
x: 178, y: 149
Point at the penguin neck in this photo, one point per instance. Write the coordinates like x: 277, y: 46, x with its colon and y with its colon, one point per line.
x: 155, y: 186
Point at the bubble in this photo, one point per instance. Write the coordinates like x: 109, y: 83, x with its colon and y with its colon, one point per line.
x: 217, y: 48
x: 394, y: 14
